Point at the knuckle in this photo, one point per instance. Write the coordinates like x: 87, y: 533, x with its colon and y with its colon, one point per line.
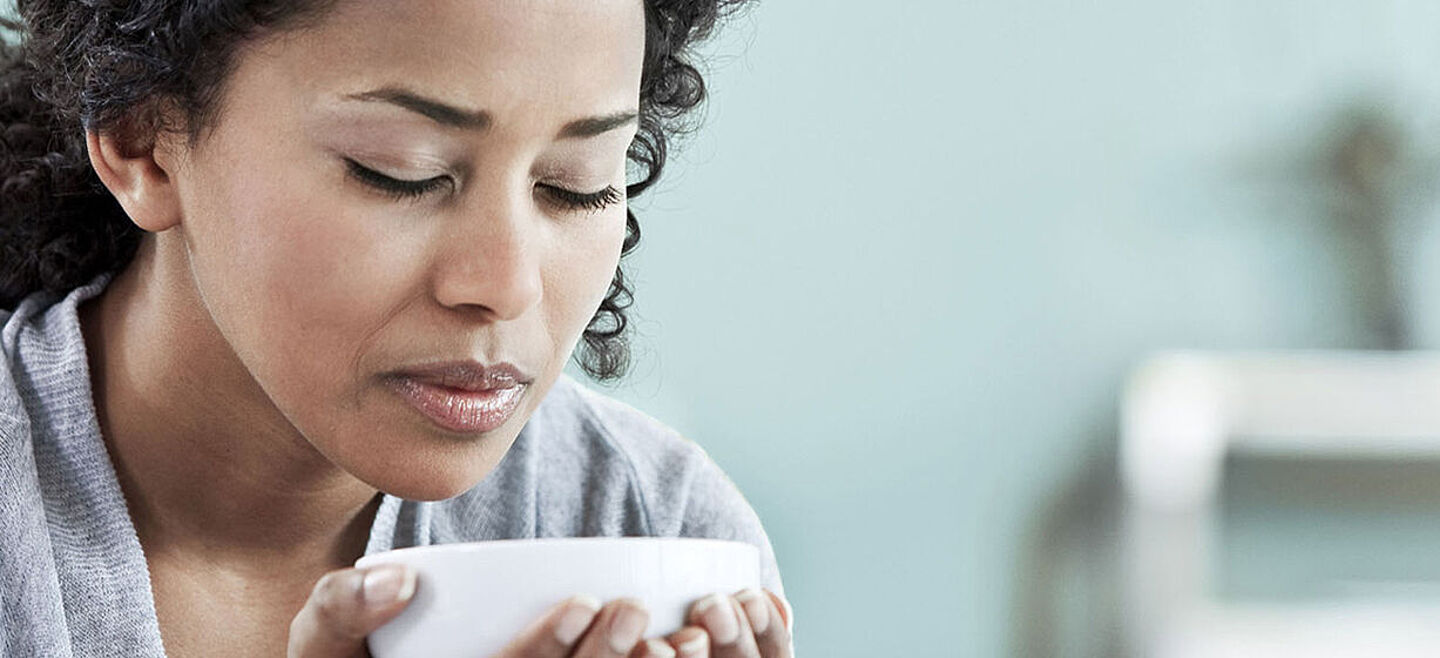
x: 327, y: 586
x: 333, y: 606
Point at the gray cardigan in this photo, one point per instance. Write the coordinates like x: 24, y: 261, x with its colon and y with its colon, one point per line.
x: 73, y: 577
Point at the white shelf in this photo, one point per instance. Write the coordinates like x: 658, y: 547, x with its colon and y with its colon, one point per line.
x: 1342, y: 631
x: 1183, y: 414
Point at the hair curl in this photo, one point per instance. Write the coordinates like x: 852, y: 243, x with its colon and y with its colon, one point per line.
x: 104, y: 65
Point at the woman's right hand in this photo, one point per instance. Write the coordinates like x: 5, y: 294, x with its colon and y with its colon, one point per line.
x: 347, y: 605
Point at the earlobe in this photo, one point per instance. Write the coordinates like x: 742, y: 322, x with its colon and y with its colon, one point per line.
x: 142, y: 186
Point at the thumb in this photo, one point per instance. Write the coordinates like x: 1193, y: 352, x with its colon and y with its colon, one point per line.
x: 346, y: 606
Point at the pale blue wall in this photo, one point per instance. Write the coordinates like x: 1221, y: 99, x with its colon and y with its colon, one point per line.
x: 895, y: 285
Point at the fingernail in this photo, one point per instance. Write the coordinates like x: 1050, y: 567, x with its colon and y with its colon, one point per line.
x: 579, y: 612
x: 719, y: 618
x: 700, y: 646
x: 755, y: 609
x: 388, y: 584
x: 658, y: 649
x: 626, y: 628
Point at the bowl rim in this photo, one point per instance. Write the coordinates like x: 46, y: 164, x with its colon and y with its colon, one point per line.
x: 491, y: 545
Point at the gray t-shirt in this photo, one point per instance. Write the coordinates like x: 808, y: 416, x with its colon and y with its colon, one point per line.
x: 73, y: 577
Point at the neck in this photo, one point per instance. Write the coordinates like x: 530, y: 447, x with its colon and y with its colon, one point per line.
x: 211, y: 470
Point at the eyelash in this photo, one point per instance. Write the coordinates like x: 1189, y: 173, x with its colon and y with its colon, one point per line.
x: 593, y: 201
x: 393, y: 187
x: 402, y: 190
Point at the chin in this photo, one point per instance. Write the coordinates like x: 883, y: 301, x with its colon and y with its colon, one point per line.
x: 430, y: 470
x: 425, y: 491
x: 422, y: 487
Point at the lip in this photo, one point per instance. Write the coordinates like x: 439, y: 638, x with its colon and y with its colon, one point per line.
x: 463, y: 396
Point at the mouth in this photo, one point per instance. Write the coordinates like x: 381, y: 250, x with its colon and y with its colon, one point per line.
x: 465, y: 397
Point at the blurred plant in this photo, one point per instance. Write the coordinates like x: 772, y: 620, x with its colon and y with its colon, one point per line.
x: 1368, y: 164
x: 1374, y: 180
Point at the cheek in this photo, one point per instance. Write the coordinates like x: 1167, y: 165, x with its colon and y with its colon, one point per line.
x: 295, y: 284
x: 586, y: 266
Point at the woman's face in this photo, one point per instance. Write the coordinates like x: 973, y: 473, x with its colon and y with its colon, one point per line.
x: 326, y: 277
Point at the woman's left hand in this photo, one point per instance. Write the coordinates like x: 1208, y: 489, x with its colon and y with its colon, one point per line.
x: 748, y: 624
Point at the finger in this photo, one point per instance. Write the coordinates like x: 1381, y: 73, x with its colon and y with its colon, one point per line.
x: 616, y: 631
x: 785, y: 610
x: 768, y: 622
x: 653, y: 648
x: 690, y: 642
x: 729, y: 630
x: 554, y: 634
x: 344, y: 607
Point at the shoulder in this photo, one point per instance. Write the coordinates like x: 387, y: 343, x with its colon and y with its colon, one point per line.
x: 599, y: 458
x: 18, y: 328
x: 16, y: 455
x: 11, y: 405
x: 625, y: 447
x: 44, y: 380
x: 675, y: 484
x: 37, y: 357
x: 618, y: 436
x: 42, y: 349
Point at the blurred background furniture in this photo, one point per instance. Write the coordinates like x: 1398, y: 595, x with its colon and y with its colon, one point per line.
x: 1364, y: 421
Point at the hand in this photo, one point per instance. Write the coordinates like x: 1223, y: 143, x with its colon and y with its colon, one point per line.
x: 344, y: 607
x: 748, y: 624
x: 347, y: 605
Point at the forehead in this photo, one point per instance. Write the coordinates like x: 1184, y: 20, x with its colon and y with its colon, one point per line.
x: 516, y: 59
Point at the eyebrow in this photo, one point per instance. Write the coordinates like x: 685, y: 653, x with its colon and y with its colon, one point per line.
x: 449, y: 115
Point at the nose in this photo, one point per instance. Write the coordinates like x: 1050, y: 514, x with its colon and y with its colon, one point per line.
x: 488, y: 259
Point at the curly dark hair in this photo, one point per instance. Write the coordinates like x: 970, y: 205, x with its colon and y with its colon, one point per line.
x: 105, y: 65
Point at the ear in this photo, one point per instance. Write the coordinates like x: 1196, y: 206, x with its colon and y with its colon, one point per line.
x: 139, y: 176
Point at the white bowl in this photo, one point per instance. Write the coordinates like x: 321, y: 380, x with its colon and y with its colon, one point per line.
x: 474, y: 598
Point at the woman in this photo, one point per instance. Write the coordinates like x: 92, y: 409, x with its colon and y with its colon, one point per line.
x: 290, y: 278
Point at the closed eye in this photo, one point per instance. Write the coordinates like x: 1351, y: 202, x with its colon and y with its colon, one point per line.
x: 400, y: 189
x: 395, y: 187
x: 591, y: 201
